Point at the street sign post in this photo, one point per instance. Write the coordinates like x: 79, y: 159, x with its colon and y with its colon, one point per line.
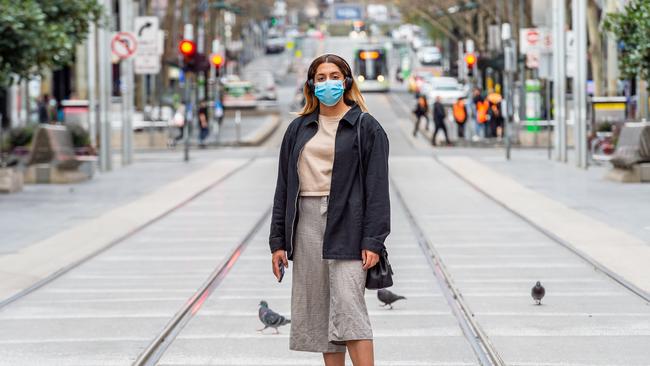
x: 559, y: 79
x: 147, y: 58
x: 124, y: 45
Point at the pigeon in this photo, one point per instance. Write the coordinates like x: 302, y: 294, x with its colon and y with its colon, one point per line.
x: 538, y: 292
x: 388, y: 298
x: 270, y: 318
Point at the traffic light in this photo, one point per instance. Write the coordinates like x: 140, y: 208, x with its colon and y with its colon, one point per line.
x: 273, y: 21
x: 217, y: 60
x: 187, y: 48
x: 192, y: 61
x: 470, y: 61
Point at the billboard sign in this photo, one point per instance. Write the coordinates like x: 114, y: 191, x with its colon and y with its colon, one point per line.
x: 346, y: 12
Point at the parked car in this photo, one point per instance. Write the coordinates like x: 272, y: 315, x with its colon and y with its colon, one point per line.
x: 275, y: 43
x: 447, y: 88
x: 263, y: 84
x: 429, y: 55
x: 238, y: 94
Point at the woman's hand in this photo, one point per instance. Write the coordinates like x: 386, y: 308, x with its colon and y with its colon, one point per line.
x: 279, y: 256
x: 369, y: 259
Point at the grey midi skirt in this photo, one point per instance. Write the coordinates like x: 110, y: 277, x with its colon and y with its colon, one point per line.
x: 328, y: 306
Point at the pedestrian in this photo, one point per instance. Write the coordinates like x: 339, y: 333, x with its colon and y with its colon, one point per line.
x: 43, y: 106
x: 479, y: 111
x: 331, y: 219
x: 179, y: 122
x: 204, y: 126
x: 439, y: 115
x: 495, y: 125
x: 460, y: 116
x: 421, y: 110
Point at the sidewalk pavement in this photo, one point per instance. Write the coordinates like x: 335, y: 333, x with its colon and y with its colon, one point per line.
x: 624, y: 206
x: 47, y: 227
x: 603, y: 220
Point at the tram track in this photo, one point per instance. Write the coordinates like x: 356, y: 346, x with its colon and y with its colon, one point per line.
x: 480, y: 343
x: 558, y: 240
x: 398, y: 103
x: 55, y: 275
x: 156, y: 349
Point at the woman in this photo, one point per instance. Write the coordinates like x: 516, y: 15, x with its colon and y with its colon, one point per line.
x: 421, y: 110
x: 328, y: 218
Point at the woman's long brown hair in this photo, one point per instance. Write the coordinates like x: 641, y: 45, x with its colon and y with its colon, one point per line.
x: 351, y: 96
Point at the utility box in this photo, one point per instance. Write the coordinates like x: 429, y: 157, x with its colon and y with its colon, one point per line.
x: 608, y: 109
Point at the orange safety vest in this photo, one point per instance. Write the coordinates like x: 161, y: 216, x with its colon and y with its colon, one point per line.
x: 459, y: 111
x: 482, y: 111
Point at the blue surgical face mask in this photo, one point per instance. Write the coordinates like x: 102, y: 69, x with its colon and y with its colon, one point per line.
x: 329, y: 92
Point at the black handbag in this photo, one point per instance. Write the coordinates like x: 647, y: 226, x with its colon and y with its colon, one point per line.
x: 381, y: 274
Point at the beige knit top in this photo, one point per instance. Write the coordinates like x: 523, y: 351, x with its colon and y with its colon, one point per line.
x: 317, y: 158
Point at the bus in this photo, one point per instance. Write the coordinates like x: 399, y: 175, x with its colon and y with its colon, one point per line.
x: 371, y: 68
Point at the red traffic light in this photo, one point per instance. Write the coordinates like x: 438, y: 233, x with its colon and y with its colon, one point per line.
x: 187, y: 47
x: 470, y: 59
x: 216, y: 59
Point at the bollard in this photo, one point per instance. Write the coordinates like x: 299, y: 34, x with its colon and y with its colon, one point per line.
x: 238, y: 125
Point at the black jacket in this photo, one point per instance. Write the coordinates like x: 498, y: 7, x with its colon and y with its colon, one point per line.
x: 438, y: 112
x: 353, y: 223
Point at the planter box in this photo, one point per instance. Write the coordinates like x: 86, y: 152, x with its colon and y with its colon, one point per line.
x: 11, y: 180
x: 47, y: 173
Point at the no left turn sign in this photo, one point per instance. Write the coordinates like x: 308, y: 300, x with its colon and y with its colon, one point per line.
x: 124, y: 45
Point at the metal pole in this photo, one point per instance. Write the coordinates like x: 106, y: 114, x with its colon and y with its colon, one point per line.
x: 92, y: 79
x: 522, y: 67
x: 612, y: 56
x: 126, y: 78
x: 642, y: 99
x: 559, y: 81
x: 238, y: 125
x: 188, y: 116
x: 579, y: 25
x: 548, y: 116
x: 105, y: 86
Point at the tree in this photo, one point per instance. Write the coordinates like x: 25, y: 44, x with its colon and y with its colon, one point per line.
x: 632, y: 28
x: 595, y: 48
x: 41, y: 34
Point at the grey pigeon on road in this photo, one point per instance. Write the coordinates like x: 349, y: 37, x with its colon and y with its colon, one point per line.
x: 538, y: 293
x: 388, y: 298
x: 270, y: 318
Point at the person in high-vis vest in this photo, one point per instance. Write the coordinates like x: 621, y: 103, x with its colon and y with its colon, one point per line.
x: 479, y: 122
x: 482, y: 116
x: 460, y: 116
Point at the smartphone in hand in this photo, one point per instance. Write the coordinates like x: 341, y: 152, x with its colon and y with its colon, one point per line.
x: 281, y: 271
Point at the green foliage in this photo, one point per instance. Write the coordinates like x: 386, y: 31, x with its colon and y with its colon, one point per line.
x: 40, y: 34
x: 604, y: 127
x: 80, y: 137
x: 19, y: 136
x: 632, y: 27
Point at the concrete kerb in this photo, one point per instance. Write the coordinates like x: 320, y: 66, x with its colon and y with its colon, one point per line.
x: 47, y: 259
x: 257, y: 136
x: 260, y: 134
x: 621, y: 256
